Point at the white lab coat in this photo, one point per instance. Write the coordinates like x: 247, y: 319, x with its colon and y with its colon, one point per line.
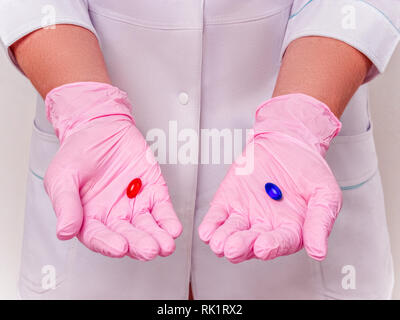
x: 196, y: 64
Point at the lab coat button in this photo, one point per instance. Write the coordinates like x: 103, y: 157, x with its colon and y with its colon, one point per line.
x: 183, y: 98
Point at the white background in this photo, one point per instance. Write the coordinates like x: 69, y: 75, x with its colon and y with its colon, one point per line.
x: 17, y: 103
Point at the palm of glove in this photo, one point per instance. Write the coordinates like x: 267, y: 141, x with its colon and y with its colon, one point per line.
x: 87, y: 183
x: 243, y: 222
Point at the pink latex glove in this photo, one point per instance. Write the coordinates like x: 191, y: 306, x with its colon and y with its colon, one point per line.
x: 291, y: 135
x: 101, y: 152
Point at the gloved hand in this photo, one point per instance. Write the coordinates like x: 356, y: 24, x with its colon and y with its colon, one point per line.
x: 101, y: 152
x: 291, y: 135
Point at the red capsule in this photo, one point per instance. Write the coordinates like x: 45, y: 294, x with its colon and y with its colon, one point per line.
x: 133, y: 188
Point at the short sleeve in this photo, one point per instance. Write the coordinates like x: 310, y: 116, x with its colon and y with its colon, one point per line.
x: 370, y: 26
x: 20, y: 17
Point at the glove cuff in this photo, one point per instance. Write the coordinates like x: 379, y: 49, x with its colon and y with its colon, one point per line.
x: 299, y: 116
x: 73, y: 104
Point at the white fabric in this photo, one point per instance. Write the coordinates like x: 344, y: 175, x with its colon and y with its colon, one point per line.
x: 224, y: 54
x: 19, y: 18
x: 371, y: 26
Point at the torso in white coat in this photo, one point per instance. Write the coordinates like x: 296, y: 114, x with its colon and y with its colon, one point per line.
x: 190, y: 66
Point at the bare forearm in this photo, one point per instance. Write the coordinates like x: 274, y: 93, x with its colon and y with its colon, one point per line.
x: 324, y: 68
x: 53, y: 57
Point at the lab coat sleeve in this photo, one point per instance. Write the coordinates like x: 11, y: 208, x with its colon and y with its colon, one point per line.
x: 20, y: 17
x: 370, y: 26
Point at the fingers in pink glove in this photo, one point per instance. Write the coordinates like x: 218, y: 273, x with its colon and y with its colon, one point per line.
x: 284, y: 240
x: 142, y: 245
x: 235, y: 222
x: 239, y: 246
x: 97, y: 237
x: 146, y: 222
x: 64, y: 194
x: 319, y: 223
x: 214, y: 218
x: 165, y: 216
x: 156, y: 201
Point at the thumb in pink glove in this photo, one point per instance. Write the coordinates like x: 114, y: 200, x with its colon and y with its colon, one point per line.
x: 291, y: 135
x: 101, y: 152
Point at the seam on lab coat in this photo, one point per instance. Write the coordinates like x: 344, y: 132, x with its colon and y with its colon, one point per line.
x: 328, y: 294
x: 351, y: 184
x: 44, y: 135
x: 231, y: 20
x: 300, y: 10
x: 344, y: 188
x: 34, y: 25
x: 38, y: 168
x: 363, y: 1
x: 344, y: 139
x: 382, y: 13
x: 215, y: 21
x: 35, y: 174
x: 357, y: 179
x: 135, y: 22
x: 36, y: 288
x: 355, y: 43
x: 31, y: 27
x: 191, y: 203
x: 379, y: 52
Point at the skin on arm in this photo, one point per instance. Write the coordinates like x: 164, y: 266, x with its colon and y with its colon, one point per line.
x: 53, y: 57
x: 324, y: 68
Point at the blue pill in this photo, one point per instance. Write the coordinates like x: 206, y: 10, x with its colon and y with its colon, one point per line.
x: 273, y: 191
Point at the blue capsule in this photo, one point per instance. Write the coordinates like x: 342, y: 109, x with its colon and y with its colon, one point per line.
x: 273, y: 191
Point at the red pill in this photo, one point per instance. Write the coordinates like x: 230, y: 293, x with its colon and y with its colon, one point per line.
x: 133, y: 188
